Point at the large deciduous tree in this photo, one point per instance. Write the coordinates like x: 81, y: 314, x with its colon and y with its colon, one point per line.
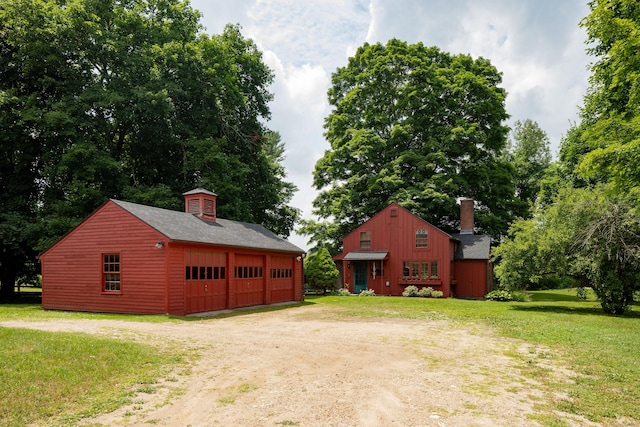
x: 417, y: 126
x: 529, y: 153
x: 589, y: 222
x: 127, y: 99
x: 610, y: 128
x: 590, y: 234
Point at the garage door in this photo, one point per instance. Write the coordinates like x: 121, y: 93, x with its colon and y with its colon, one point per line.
x: 281, y: 279
x: 205, y: 281
x: 249, y: 280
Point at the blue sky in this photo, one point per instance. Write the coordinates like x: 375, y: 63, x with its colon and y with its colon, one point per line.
x: 536, y: 44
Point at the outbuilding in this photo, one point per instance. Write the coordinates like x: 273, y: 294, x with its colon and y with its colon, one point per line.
x: 133, y: 258
x: 395, y: 249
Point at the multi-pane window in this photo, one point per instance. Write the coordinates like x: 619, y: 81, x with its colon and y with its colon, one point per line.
x: 194, y: 272
x: 434, y: 268
x: 415, y: 269
x: 421, y: 238
x: 111, y: 272
x: 425, y: 270
x: 281, y: 273
x: 420, y: 269
x: 250, y: 272
x: 365, y: 239
x: 405, y: 269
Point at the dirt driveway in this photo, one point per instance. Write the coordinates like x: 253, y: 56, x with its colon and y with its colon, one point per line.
x: 307, y: 366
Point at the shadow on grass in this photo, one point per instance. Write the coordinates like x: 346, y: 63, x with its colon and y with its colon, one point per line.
x: 23, y: 298
x: 595, y: 310
x: 32, y: 308
x: 243, y: 311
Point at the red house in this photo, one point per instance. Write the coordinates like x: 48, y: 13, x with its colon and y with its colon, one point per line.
x: 131, y: 258
x: 395, y: 249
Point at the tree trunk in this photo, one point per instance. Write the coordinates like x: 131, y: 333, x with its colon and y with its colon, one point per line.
x: 8, y: 278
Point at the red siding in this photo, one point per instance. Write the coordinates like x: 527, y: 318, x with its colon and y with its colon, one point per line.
x: 394, y: 230
x: 154, y: 280
x: 72, y: 268
x: 473, y: 278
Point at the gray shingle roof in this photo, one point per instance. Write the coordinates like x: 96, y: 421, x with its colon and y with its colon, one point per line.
x: 185, y: 227
x: 472, y: 246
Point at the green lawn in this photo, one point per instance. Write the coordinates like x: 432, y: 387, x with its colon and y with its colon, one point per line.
x: 603, y: 350
x: 69, y: 376
x: 63, y: 377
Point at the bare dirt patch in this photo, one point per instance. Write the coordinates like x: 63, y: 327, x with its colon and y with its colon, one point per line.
x: 305, y: 366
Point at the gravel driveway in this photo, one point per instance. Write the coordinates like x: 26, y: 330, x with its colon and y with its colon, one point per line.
x: 309, y: 366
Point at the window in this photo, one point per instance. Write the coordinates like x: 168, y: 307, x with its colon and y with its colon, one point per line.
x: 421, y: 238
x: 111, y: 272
x: 425, y: 270
x: 405, y: 269
x: 434, y: 268
x: 365, y: 239
x: 415, y: 272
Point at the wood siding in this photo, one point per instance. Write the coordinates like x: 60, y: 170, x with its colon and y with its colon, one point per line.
x: 473, y: 278
x: 281, y: 278
x: 72, y: 269
x: 155, y: 280
x: 394, y: 230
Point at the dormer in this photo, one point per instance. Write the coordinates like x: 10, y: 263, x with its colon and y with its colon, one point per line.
x: 201, y: 203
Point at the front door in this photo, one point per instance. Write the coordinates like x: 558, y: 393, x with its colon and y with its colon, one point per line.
x: 359, y: 277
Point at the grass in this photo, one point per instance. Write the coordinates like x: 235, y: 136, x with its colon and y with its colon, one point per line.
x: 603, y: 350
x: 64, y: 377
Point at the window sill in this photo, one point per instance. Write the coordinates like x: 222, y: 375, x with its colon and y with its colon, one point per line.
x: 111, y: 292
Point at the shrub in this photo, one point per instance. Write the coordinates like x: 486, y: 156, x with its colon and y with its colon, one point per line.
x: 425, y: 292
x: 581, y: 293
x: 410, y: 291
x: 368, y: 293
x: 499, y: 295
x: 437, y: 294
x: 343, y: 292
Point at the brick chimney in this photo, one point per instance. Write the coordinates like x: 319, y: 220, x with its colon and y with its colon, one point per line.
x: 466, y: 216
x: 201, y: 203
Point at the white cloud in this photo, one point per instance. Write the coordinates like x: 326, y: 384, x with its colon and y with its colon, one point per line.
x: 536, y: 44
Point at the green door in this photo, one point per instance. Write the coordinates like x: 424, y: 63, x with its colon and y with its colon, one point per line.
x: 359, y: 277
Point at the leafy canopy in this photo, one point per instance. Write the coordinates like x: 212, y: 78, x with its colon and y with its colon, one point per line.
x: 588, y: 225
x: 417, y: 126
x: 128, y: 99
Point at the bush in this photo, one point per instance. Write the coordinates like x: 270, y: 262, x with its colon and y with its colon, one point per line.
x: 437, y: 294
x: 581, y: 293
x: 368, y: 293
x: 499, y: 295
x: 410, y: 291
x: 425, y: 292
x: 343, y: 292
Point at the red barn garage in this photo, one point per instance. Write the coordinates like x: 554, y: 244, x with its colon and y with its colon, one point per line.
x: 132, y: 258
x: 395, y: 249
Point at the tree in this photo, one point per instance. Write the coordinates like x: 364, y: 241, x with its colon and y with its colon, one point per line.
x: 611, y: 112
x: 417, y: 126
x: 320, y: 270
x: 127, y: 99
x: 592, y: 234
x: 529, y: 153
